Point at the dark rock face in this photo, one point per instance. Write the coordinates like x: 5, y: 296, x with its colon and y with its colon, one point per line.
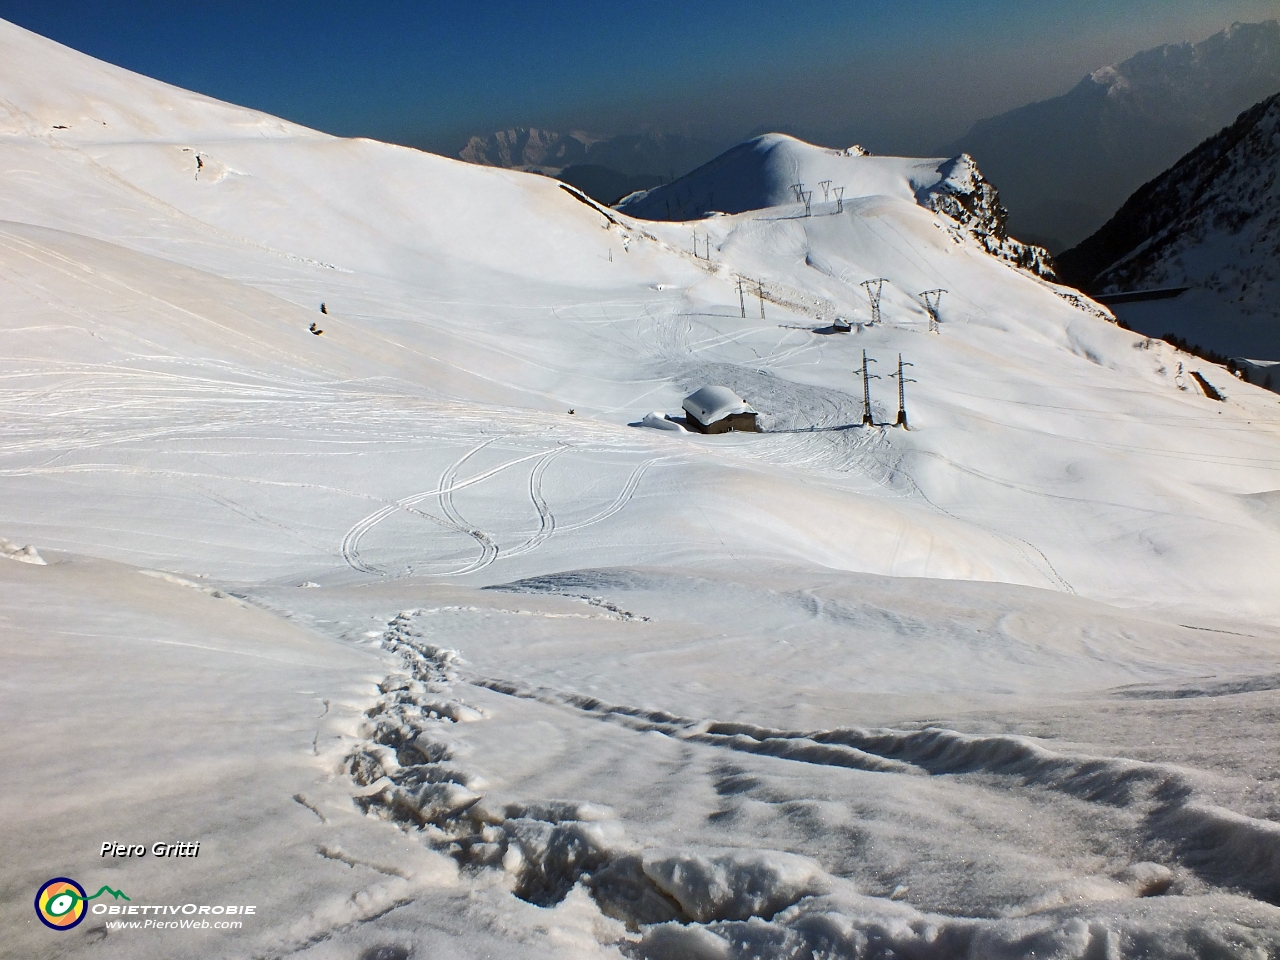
x: 1065, y: 164
x: 967, y: 197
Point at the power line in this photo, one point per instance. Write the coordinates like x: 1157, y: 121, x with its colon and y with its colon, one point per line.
x: 874, y: 288
x: 933, y: 300
x: 902, y: 392
x: 867, y: 377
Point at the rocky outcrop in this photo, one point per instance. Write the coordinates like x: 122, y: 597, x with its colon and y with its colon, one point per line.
x: 966, y: 196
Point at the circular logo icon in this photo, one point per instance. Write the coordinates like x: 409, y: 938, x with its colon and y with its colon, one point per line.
x: 60, y: 904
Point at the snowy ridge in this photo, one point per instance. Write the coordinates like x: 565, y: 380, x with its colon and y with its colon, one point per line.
x: 764, y: 171
x: 52, y: 92
x: 777, y: 171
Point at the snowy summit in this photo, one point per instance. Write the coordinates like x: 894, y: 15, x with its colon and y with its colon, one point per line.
x: 798, y: 178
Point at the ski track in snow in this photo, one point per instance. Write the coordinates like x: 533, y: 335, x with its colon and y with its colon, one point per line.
x: 546, y: 519
x: 489, y: 548
x: 624, y: 495
x: 448, y: 483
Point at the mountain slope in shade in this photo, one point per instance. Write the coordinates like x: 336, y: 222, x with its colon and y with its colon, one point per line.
x: 1212, y: 223
x: 604, y: 168
x: 1065, y: 164
x: 604, y: 184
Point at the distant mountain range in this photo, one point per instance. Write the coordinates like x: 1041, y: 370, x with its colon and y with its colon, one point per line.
x: 1211, y: 223
x: 528, y: 148
x: 1064, y: 165
x: 605, y: 168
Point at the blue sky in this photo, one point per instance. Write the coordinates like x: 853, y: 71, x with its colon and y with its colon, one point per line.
x: 897, y: 75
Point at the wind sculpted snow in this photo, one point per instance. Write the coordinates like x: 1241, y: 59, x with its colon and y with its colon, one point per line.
x: 438, y: 650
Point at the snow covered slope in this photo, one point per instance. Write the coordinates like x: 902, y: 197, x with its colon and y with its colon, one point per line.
x: 440, y: 653
x: 780, y: 171
x: 1212, y: 223
x: 1067, y: 163
x: 50, y: 91
x: 766, y: 172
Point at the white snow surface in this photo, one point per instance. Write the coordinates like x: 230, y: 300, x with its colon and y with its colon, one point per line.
x: 763, y: 172
x: 433, y: 667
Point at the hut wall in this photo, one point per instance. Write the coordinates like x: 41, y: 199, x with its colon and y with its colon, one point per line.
x: 745, y: 422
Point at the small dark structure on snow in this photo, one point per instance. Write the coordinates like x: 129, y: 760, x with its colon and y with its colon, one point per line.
x: 719, y: 410
x: 1264, y: 373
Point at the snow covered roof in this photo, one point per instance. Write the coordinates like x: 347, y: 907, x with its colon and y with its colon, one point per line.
x: 715, y: 403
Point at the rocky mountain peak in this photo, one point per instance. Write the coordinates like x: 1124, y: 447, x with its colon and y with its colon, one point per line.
x: 1187, y: 78
x: 966, y: 196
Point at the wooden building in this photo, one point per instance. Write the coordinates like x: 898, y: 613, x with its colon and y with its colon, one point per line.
x: 719, y: 410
